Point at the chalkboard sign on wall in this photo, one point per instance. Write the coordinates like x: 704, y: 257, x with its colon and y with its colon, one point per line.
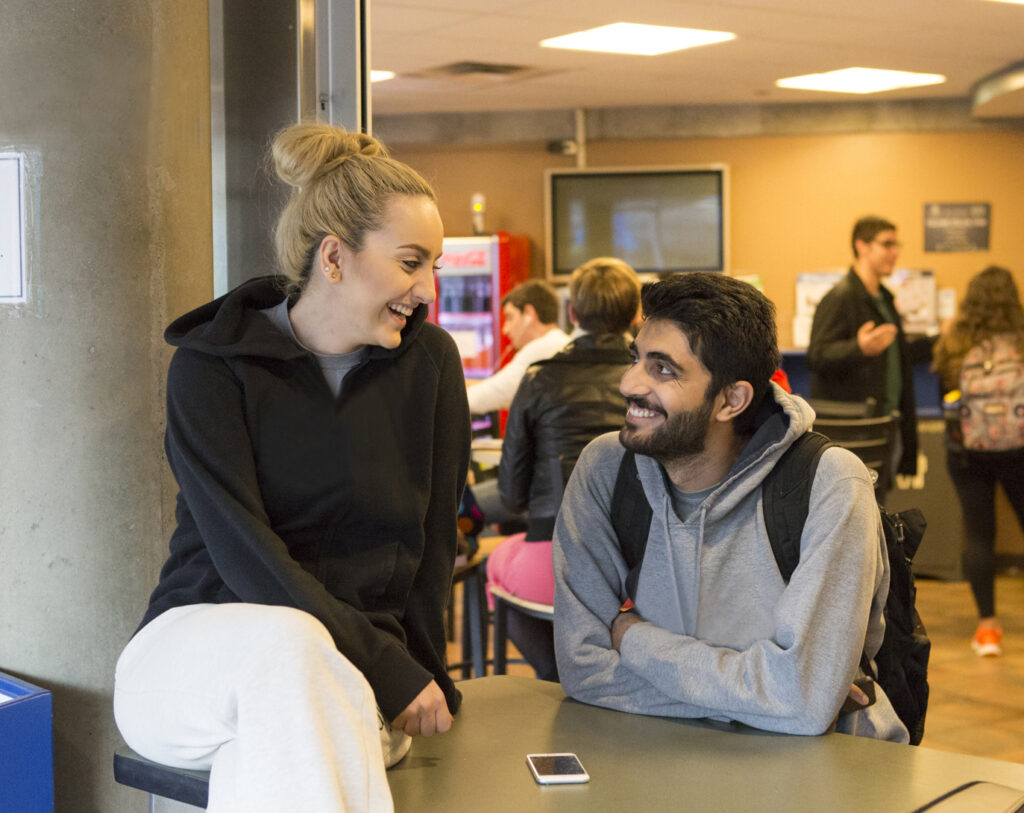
x: 956, y: 226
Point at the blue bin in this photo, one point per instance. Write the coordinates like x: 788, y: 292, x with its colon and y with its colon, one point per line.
x: 26, y: 747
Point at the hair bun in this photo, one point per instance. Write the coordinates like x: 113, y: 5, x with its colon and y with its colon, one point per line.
x: 342, y: 184
x: 304, y: 152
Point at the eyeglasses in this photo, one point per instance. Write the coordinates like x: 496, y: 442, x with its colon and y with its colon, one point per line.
x: 888, y: 244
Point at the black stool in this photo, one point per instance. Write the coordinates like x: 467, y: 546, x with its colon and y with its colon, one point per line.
x: 474, y: 619
x: 502, y: 601
x: 179, y: 784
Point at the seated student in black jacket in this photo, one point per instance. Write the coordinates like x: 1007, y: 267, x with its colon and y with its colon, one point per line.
x: 562, y: 404
x: 318, y: 429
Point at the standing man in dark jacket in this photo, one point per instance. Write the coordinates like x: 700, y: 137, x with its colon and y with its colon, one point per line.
x: 562, y: 403
x: 858, y: 349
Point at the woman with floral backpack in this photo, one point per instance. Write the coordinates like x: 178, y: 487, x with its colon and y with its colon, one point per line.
x: 979, y: 361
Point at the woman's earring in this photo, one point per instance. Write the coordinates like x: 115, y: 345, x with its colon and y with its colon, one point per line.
x: 332, y: 274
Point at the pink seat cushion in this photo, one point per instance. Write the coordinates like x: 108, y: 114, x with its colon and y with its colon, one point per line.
x: 523, y: 569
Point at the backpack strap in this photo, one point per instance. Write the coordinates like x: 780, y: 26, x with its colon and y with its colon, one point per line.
x: 786, y: 498
x: 631, y: 519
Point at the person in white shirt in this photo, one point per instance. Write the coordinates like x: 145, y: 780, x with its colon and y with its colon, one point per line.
x: 530, y: 320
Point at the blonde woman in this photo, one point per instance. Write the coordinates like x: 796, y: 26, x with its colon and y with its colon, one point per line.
x: 318, y: 430
x: 990, y: 316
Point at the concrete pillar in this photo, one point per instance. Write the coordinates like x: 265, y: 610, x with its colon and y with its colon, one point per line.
x: 110, y: 101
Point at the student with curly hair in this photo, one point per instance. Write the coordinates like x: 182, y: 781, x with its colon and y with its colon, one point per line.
x: 986, y: 341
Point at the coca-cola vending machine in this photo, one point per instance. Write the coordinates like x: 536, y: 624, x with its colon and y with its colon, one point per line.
x: 476, y: 273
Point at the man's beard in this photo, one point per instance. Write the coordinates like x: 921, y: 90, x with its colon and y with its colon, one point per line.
x: 681, y: 435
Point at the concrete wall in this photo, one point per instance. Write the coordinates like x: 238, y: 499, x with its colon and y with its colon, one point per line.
x: 110, y: 100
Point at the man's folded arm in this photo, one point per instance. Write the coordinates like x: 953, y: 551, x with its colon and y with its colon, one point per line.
x: 793, y: 683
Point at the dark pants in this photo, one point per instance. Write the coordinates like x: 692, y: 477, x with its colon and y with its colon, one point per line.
x: 535, y: 639
x: 975, y: 475
x: 487, y: 497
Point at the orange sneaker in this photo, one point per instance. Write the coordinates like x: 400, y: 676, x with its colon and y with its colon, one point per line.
x: 986, y: 641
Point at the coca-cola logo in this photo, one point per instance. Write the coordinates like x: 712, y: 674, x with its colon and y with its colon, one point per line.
x: 475, y: 258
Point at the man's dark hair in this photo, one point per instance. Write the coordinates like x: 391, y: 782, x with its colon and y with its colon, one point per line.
x: 538, y: 293
x: 730, y: 326
x: 867, y: 228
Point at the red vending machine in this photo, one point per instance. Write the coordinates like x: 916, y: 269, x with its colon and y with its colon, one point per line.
x: 476, y: 273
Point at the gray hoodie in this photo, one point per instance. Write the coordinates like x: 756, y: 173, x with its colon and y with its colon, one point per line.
x: 726, y: 638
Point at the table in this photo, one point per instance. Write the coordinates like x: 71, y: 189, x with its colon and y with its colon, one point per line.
x: 641, y: 763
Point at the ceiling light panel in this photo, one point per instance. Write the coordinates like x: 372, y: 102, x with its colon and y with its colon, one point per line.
x: 633, y: 38
x: 860, y: 80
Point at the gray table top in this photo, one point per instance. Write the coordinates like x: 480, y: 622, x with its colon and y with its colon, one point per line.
x: 641, y: 763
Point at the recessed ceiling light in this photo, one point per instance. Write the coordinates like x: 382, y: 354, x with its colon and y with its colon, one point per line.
x: 381, y: 76
x: 1018, y: 2
x: 633, y: 38
x: 860, y: 80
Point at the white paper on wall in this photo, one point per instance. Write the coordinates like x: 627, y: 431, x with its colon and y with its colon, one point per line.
x: 801, y: 331
x: 947, y: 303
x: 12, y: 264
x: 811, y: 286
x: 916, y: 299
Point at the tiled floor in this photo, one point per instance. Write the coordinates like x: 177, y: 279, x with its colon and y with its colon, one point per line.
x: 977, y: 704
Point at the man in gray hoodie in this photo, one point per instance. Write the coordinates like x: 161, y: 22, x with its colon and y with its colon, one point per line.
x: 715, y: 631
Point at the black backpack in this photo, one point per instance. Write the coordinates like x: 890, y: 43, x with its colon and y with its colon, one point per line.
x: 902, y: 660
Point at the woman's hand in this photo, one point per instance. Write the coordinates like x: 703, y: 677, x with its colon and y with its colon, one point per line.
x: 427, y: 714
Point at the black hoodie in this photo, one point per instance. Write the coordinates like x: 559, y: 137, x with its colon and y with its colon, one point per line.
x: 342, y: 507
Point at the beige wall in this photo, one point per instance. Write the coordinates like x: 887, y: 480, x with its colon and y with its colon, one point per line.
x: 794, y: 198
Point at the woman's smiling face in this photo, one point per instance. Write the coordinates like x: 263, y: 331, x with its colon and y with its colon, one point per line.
x: 382, y: 285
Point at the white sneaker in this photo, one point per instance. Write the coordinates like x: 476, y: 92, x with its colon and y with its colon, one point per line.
x: 395, y: 743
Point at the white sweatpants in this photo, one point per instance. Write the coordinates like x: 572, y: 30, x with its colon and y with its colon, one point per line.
x: 260, y: 697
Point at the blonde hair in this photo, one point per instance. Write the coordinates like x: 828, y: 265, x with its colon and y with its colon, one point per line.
x: 342, y: 184
x: 605, y: 295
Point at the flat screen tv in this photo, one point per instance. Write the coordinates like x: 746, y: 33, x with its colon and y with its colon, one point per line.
x: 656, y: 219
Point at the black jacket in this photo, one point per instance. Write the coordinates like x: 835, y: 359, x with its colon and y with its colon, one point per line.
x: 562, y: 403
x: 344, y: 508
x: 840, y: 372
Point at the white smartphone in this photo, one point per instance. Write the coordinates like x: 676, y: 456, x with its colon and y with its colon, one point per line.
x: 556, y: 769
